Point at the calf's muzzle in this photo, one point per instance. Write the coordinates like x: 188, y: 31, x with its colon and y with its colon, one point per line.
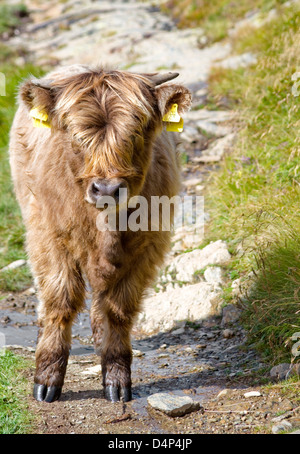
x: 99, y: 188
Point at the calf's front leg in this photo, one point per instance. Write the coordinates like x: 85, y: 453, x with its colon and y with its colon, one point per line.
x: 114, y: 345
x: 59, y: 305
x: 116, y: 358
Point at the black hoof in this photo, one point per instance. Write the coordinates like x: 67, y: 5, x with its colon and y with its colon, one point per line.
x: 115, y: 394
x: 42, y: 393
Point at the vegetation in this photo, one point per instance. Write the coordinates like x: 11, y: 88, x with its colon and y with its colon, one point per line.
x: 11, y: 227
x: 215, y: 17
x: 14, y: 415
x: 256, y: 194
x: 11, y: 16
x: 254, y: 198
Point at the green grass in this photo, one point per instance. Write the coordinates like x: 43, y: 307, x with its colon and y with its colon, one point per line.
x: 215, y: 17
x: 254, y: 198
x: 11, y: 16
x: 14, y: 415
x: 11, y: 227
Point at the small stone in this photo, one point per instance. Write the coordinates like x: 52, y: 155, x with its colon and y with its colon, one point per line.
x: 280, y: 371
x: 29, y: 291
x: 213, y: 275
x: 206, y: 159
x: 213, y: 129
x: 281, y: 427
x: 230, y: 314
x: 137, y: 353
x: 191, y: 182
x: 238, y: 61
x: 94, y: 370
x: 14, y: 265
x: 178, y: 331
x: 185, y: 265
x: 228, y: 333
x: 223, y: 393
x: 201, y: 346
x: 252, y: 394
x: 285, y: 415
x: 285, y: 405
x: 191, y: 241
x: 173, y: 405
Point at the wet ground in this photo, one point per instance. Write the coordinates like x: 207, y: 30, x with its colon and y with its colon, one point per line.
x: 202, y: 360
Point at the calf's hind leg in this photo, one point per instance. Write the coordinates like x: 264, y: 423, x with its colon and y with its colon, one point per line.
x: 62, y: 296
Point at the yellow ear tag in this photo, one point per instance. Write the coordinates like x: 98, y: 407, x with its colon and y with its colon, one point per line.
x: 172, y: 116
x: 175, y: 127
x: 40, y: 118
x: 173, y: 120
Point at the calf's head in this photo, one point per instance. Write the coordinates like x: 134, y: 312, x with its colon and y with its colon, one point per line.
x: 111, y: 118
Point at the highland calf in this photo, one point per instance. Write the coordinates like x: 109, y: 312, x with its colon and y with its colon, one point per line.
x: 100, y: 131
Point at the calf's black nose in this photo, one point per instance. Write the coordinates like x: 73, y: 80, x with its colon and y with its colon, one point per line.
x: 100, y: 188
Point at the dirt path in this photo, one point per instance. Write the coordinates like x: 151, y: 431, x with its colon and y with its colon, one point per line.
x: 208, y: 363
x: 196, y: 359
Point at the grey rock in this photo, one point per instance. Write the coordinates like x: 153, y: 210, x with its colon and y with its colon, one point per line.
x: 286, y: 415
x: 206, y: 159
x: 284, y: 370
x: 280, y: 371
x: 163, y: 310
x: 294, y: 370
x: 188, y: 182
x: 238, y: 61
x: 220, y: 146
x: 215, y: 116
x: 189, y: 134
x: 252, y: 394
x: 228, y: 333
x: 185, y: 265
x: 230, y: 314
x: 92, y: 371
x: 14, y: 265
x: 137, y: 353
x: 173, y: 405
x: 281, y: 427
x: 211, y: 128
x: 214, y: 275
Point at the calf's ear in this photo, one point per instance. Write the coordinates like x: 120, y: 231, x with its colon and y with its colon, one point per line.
x: 37, y: 93
x: 167, y: 95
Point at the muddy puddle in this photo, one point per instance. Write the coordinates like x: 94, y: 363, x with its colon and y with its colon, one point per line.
x: 18, y: 324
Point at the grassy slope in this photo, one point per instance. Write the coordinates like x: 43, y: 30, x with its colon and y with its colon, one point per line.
x: 254, y: 198
x: 14, y: 415
x: 11, y: 227
x: 257, y: 192
x: 215, y: 17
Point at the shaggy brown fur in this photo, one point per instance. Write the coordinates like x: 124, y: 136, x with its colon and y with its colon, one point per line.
x: 107, y: 125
